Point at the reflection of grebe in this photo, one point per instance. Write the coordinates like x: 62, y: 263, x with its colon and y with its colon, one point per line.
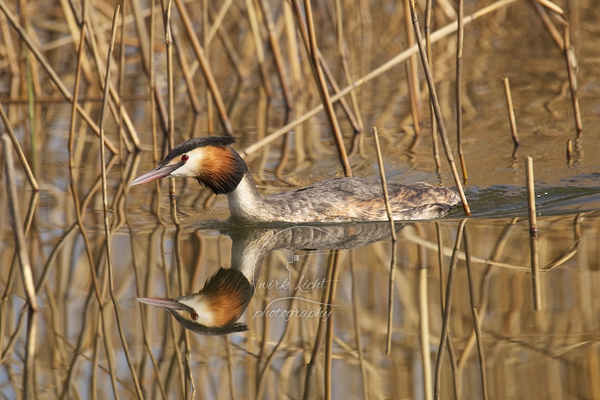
x: 215, y: 309
x: 217, y: 166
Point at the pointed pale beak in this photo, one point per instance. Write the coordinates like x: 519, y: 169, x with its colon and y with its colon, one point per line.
x: 163, y: 303
x: 156, y: 173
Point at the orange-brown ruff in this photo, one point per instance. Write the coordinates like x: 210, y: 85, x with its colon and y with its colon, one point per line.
x: 216, y: 165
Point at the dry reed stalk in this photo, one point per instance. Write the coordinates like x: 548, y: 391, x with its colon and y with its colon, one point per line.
x: 229, y: 48
x: 117, y: 101
x: 118, y: 110
x: 145, y: 41
x: 152, y: 83
x: 184, y: 332
x: 31, y: 85
x: 484, y: 288
x: 355, y: 119
x: 72, y: 184
x: 217, y: 19
x: 444, y: 336
x: 440, y: 253
x: 285, y: 149
x: 357, y: 332
x: 412, y: 74
x: 145, y: 335
x: 278, y: 58
x: 456, y: 378
x: 22, y: 159
x: 121, y: 87
x: 283, y: 82
x: 13, y: 338
x: 57, y: 100
x: 170, y: 82
x: 434, y: 133
x: 511, y: 113
x: 86, y: 241
x: 263, y: 111
x: 400, y: 58
x: 594, y: 370
x: 170, y: 339
x: 11, y: 56
x: 147, y: 51
x: 571, y: 71
x: 171, y: 104
x: 96, y: 186
x: 460, y: 33
x: 570, y: 152
x: 206, y: 70
x: 154, y: 251
x: 437, y: 109
x: 311, y: 367
x: 549, y: 25
x: 258, y: 46
x: 162, y: 110
x: 196, y: 272
x: 13, y: 265
x: 313, y: 54
x: 27, y: 276
x: 564, y: 43
x: 533, y: 235
x: 106, y: 220
x: 424, y: 336
x: 185, y: 70
x: 58, y: 348
x: 78, y: 349
x: 476, y: 320
x: 388, y: 209
x: 325, y: 66
x: 329, y: 334
x: 230, y: 364
x: 31, y: 113
x: 101, y: 368
x: 95, y: 363
x: 108, y: 349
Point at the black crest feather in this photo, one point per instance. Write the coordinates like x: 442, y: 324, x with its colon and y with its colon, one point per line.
x: 193, y: 143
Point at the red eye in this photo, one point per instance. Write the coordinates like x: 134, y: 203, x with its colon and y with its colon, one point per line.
x: 193, y: 316
x: 184, y: 158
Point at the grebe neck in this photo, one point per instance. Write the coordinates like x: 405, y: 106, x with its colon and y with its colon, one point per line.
x: 245, y: 201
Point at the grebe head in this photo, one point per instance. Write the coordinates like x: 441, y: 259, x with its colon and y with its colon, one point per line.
x: 216, y: 308
x: 210, y: 160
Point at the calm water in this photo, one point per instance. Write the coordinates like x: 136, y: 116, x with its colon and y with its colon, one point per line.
x: 318, y: 320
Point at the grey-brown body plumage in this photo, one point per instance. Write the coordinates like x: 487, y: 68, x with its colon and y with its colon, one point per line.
x: 340, y: 199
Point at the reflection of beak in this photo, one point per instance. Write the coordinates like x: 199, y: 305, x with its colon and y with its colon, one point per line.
x: 156, y: 173
x: 163, y: 303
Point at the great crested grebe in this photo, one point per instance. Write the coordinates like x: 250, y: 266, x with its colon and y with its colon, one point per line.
x: 216, y: 165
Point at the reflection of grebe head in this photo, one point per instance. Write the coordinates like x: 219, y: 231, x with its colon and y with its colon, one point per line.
x: 215, y: 309
x: 210, y: 160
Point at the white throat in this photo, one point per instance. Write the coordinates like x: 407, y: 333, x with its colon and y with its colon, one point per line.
x: 245, y: 201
